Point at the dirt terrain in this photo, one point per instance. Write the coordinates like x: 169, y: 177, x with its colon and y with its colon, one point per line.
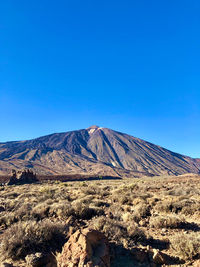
x: 146, y: 220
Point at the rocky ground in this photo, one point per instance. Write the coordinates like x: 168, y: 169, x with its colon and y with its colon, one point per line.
x: 131, y: 222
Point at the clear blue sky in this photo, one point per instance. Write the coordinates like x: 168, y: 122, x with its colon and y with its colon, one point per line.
x: 133, y: 66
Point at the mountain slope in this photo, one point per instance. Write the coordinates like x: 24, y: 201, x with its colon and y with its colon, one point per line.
x: 94, y: 150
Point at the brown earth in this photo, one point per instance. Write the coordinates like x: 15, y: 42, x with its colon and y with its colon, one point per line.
x: 147, y: 221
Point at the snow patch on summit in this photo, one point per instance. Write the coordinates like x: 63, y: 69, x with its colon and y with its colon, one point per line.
x: 91, y: 131
x: 94, y: 128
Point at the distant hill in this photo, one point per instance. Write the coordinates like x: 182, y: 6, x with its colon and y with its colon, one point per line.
x: 95, y: 151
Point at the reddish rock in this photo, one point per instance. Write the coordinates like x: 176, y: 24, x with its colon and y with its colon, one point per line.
x: 87, y: 248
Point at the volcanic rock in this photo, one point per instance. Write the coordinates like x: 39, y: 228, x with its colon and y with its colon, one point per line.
x: 22, y: 177
x: 94, y: 151
x: 85, y: 247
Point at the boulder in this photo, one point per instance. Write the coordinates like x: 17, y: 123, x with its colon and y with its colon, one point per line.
x: 86, y: 247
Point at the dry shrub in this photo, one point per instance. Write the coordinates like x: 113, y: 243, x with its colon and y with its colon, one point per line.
x: 183, y: 191
x: 40, y: 211
x: 122, y: 198
x: 21, y: 214
x: 78, y: 209
x: 167, y: 221
x: 99, y: 203
x: 28, y: 237
x: 183, y: 206
x: 141, y: 211
x: 127, y: 217
x: 91, y: 190
x: 61, y: 210
x: 7, y: 219
x: 136, y: 233
x: 191, y: 208
x: 111, y: 228
x: 123, y: 195
x: 145, y: 196
x: 47, y: 193
x: 85, y: 199
x: 187, y: 246
x: 84, y: 212
x: 114, y: 230
x: 164, y: 206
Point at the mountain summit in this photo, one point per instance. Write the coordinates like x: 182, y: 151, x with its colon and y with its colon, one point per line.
x: 95, y: 151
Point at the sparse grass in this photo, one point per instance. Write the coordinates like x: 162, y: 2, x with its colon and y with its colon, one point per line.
x: 110, y: 227
x: 116, y: 230
x: 187, y: 246
x: 126, y: 211
x: 141, y: 211
x: 166, y: 221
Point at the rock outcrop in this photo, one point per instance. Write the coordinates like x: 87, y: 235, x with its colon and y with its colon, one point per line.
x: 22, y: 177
x: 87, y: 248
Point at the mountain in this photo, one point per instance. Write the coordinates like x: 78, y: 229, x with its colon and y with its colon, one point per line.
x: 94, y: 150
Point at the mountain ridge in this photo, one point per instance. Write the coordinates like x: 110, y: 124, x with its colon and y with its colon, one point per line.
x: 94, y: 150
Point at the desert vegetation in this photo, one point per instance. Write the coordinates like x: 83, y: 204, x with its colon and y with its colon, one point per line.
x: 161, y: 213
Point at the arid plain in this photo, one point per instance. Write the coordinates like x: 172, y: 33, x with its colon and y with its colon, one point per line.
x: 149, y: 221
